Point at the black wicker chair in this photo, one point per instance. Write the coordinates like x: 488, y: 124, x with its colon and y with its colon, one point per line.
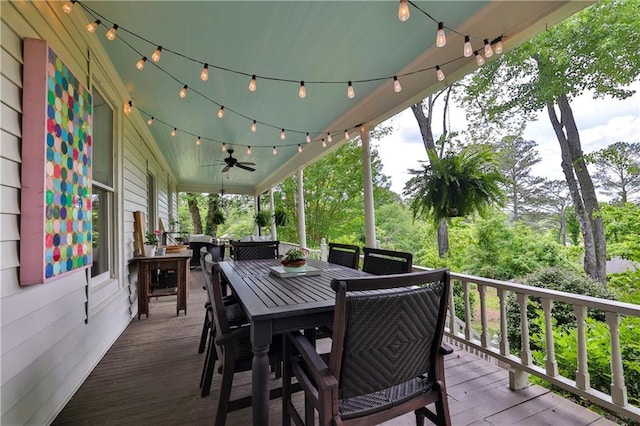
x: 232, y: 345
x: 344, y: 254
x: 255, y: 250
x: 386, y: 357
x: 385, y: 262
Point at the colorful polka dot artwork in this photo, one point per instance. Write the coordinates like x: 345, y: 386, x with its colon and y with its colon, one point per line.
x: 69, y: 124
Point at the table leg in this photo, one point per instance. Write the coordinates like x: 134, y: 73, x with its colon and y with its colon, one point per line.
x: 260, y: 340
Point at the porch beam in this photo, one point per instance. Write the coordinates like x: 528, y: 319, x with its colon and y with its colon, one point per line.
x: 369, y: 211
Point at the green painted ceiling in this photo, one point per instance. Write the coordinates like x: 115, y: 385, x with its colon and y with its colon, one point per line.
x: 307, y: 40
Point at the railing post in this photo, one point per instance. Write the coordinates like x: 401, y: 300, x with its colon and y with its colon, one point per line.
x: 484, y: 337
x: 324, y: 249
x: 552, y: 364
x: 467, y: 310
x: 618, y: 389
x: 582, y: 373
x: 525, y: 355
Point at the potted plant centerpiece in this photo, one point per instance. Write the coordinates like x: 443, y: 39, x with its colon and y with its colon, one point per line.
x: 294, y: 260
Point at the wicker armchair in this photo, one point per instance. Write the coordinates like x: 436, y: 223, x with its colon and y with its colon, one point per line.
x: 386, y: 357
x: 253, y: 250
x: 385, y: 262
x: 344, y: 254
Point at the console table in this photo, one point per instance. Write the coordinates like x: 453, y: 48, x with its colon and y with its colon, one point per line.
x: 175, y: 261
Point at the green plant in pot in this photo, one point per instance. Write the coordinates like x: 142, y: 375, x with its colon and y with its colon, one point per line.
x: 262, y: 218
x: 295, y: 260
x: 218, y: 217
x: 280, y: 217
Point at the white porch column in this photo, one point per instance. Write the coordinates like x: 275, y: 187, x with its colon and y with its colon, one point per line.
x: 369, y: 213
x: 274, y: 231
x: 256, y: 206
x: 302, y: 228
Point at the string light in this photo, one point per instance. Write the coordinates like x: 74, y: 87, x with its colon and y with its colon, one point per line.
x: 224, y: 147
x: 439, y: 73
x: 156, y: 54
x: 127, y: 107
x: 111, y: 34
x: 299, y: 148
x: 283, y: 135
x: 396, y: 85
x: 221, y: 112
x: 324, y: 143
x: 275, y: 151
x: 68, y: 6
x: 140, y: 63
x: 253, y: 85
x: 254, y: 126
x: 441, y: 37
x: 479, y: 58
x: 204, y: 74
x: 488, y: 51
x: 249, y: 150
x: 92, y: 26
x: 350, y: 92
x: 150, y: 121
x: 467, y: 50
x: 329, y: 137
x: 308, y: 138
x: 403, y: 11
x: 183, y: 92
x: 346, y: 134
x: 174, y: 131
x: 302, y: 93
x: 499, y: 48
x: 198, y: 141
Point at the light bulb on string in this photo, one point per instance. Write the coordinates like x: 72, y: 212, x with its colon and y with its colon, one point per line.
x: 302, y: 93
x: 351, y: 93
x: 324, y: 143
x: 156, y: 54
x: 183, y: 92
x: 204, y: 74
x: 224, y: 147
x: 140, y: 63
x: 439, y: 73
x: 111, y: 34
x: 308, y: 138
x: 198, y: 141
x: 92, y: 26
x: 403, y: 11
x: 283, y: 135
x: 68, y: 6
x: 346, y: 134
x: 254, y: 126
x: 467, y: 49
x: 221, y: 112
x: 275, y: 151
x: 174, y: 132
x: 249, y: 150
x: 488, y: 51
x: 127, y: 107
x: 150, y: 121
x: 499, y: 49
x: 441, y: 37
x: 299, y: 148
x: 253, y: 85
x: 329, y: 137
x: 396, y: 85
x: 479, y: 58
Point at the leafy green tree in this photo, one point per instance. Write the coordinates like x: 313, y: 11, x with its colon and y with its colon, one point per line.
x: 553, y: 197
x: 618, y: 169
x: 622, y: 228
x: 595, y: 50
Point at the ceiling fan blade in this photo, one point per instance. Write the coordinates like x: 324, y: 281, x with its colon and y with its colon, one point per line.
x: 226, y: 169
x: 246, y: 163
x: 212, y: 164
x: 251, y: 169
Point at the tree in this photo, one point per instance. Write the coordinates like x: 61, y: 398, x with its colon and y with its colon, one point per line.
x: 553, y: 197
x: 215, y: 216
x: 517, y: 157
x: 595, y: 50
x: 194, y: 211
x: 618, y: 169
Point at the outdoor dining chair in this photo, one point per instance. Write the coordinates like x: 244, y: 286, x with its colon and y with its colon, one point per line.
x: 387, y: 356
x: 232, y: 346
x: 254, y: 250
x: 384, y: 262
x: 344, y: 254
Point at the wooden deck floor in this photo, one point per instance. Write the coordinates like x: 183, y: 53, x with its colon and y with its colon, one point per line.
x: 150, y: 377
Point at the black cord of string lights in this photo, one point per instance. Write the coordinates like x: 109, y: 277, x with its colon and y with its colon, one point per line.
x: 257, y: 76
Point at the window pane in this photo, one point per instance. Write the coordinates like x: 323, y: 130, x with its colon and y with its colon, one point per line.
x: 103, y: 141
x: 100, y: 200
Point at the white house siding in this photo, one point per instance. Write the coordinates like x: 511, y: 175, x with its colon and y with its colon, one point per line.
x: 49, y: 345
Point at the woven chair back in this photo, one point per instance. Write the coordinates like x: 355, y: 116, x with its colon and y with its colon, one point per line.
x: 344, y: 254
x: 256, y: 250
x: 385, y: 262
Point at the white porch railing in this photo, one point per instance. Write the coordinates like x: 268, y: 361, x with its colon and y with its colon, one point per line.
x: 463, y: 333
x: 313, y: 253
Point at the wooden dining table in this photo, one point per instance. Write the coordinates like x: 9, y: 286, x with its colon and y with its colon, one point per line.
x: 277, y: 305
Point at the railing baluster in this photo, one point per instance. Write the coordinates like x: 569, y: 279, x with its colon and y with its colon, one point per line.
x: 504, y: 340
x: 452, y: 310
x: 484, y: 336
x: 552, y: 364
x: 525, y: 355
x: 582, y: 373
x: 618, y: 389
x: 467, y: 310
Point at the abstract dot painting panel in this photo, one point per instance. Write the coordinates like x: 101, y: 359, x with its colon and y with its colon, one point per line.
x: 69, y: 124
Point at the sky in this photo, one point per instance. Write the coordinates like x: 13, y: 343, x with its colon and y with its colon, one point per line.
x: 601, y: 122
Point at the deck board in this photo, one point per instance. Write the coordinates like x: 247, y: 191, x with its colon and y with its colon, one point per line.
x: 150, y: 376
